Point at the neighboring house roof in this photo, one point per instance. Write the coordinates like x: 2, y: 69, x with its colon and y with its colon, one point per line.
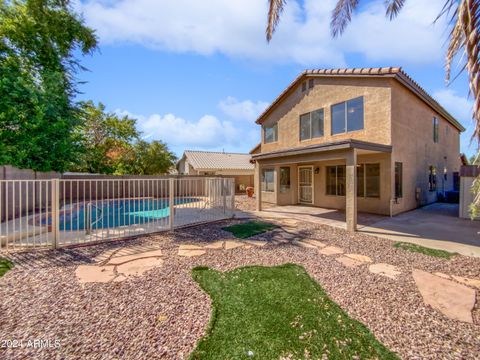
x: 257, y: 147
x: 392, y: 72
x: 208, y: 160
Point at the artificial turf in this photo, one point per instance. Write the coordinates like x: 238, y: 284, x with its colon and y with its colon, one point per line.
x: 5, y: 265
x: 424, y: 250
x: 274, y: 312
x: 248, y: 229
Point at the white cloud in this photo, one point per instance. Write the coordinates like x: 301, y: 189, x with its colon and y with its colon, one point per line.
x: 459, y: 106
x: 236, y: 28
x: 208, y: 132
x: 242, y: 110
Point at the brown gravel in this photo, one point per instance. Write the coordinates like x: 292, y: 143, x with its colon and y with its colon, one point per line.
x: 163, y: 313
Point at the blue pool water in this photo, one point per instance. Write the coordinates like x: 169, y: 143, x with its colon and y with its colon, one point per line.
x: 113, y: 213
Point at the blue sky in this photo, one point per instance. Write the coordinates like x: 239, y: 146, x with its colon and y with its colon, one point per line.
x: 196, y: 74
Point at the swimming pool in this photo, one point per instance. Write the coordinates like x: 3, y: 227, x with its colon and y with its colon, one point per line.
x: 104, y: 214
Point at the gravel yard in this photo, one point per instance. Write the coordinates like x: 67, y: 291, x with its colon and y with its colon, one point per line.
x: 163, y: 313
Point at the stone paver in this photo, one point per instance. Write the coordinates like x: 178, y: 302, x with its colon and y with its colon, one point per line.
x: 314, y: 242
x: 331, y: 250
x: 94, y: 273
x: 139, y: 267
x: 349, y: 262
x: 190, y: 247
x: 215, y: 246
x: 117, y: 260
x: 303, y: 244
x: 257, y: 242
x: 360, y: 258
x: 191, y: 252
x: 467, y: 281
x: 232, y: 244
x: 454, y: 300
x: 442, y: 275
x: 383, y: 269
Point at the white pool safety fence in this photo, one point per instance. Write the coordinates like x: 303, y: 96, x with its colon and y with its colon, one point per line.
x: 61, y: 212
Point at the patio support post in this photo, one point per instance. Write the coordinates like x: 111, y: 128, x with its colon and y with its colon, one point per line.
x: 351, y: 191
x: 258, y: 188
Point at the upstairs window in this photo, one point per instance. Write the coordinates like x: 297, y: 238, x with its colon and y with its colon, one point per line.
x: 270, y: 133
x: 432, y: 178
x: 304, y: 86
x: 347, y: 116
x: 310, y: 83
x: 435, y: 129
x: 268, y: 180
x: 311, y: 125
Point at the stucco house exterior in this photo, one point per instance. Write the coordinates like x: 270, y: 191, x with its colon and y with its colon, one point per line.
x: 369, y: 140
x: 210, y: 163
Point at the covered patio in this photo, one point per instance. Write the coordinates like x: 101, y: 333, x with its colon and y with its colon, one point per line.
x: 303, y: 176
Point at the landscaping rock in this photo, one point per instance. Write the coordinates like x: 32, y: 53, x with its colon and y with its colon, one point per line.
x: 257, y: 242
x: 454, y: 300
x: 387, y: 270
x: 315, y: 243
x: 191, y: 252
x: 303, y: 244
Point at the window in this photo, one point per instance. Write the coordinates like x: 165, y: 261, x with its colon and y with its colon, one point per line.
x: 268, y: 180
x: 336, y: 180
x: 270, y: 134
x: 347, y: 116
x: 311, y: 125
x: 310, y: 83
x: 456, y: 181
x: 435, y: 129
x: 284, y: 179
x: 432, y: 178
x: 398, y: 180
x: 304, y: 86
x: 368, y: 180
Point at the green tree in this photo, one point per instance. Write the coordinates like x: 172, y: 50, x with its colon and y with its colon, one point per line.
x: 152, y: 158
x: 38, y: 40
x: 106, y: 139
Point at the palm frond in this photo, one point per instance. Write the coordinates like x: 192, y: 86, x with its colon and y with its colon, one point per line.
x: 394, y: 7
x: 274, y: 11
x: 342, y: 15
x: 465, y: 36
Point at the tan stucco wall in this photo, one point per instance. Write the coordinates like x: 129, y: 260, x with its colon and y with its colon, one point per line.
x: 413, y: 145
x: 379, y: 205
x: 327, y: 92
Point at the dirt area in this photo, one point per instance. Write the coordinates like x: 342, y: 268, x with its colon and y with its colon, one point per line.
x: 163, y: 312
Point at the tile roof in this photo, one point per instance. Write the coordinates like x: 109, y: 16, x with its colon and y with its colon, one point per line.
x: 208, y: 160
x: 392, y: 72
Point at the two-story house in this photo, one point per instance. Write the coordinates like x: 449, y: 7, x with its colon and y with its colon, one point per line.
x: 370, y: 140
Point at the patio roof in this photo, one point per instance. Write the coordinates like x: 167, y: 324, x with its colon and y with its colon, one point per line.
x: 324, y: 147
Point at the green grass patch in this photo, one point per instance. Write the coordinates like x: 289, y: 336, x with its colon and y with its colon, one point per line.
x: 424, y: 250
x: 5, y: 265
x: 278, y: 311
x: 248, y: 229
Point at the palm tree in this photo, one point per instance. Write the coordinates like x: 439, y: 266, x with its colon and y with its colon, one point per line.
x: 464, y: 21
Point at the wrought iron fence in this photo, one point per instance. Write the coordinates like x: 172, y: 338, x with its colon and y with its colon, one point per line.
x: 62, y: 212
